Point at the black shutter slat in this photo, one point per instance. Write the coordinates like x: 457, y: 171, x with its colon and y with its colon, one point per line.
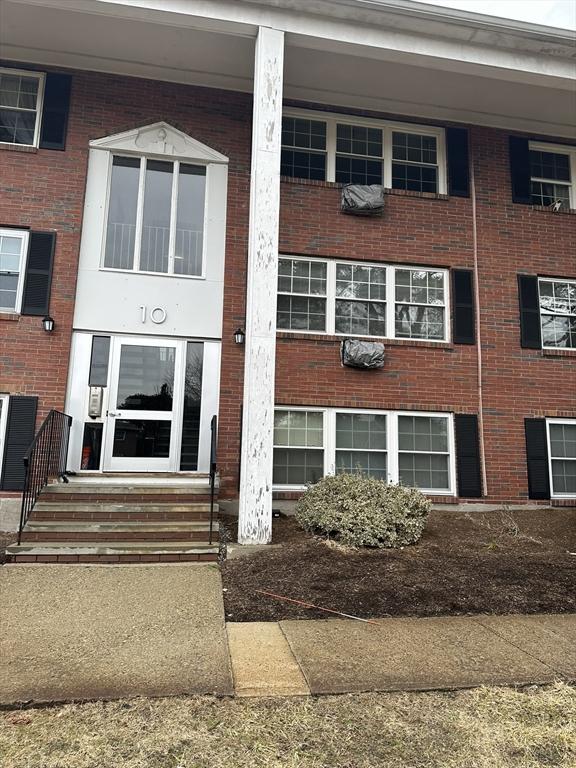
x: 468, y: 456
x: 463, y: 321
x: 520, y: 169
x: 55, y: 111
x: 36, y: 297
x: 458, y: 162
x: 20, y: 426
x: 537, y: 458
x: 530, y: 330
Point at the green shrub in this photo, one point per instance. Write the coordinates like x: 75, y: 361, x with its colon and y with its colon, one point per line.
x: 358, y: 510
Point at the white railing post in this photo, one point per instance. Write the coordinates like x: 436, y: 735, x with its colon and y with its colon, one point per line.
x: 255, y: 507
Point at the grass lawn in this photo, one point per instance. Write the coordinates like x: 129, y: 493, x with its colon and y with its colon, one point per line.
x: 482, y: 728
x: 466, y: 563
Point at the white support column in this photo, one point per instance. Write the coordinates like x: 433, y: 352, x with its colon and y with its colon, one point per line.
x: 255, y: 509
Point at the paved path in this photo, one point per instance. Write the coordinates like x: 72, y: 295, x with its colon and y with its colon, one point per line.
x: 77, y: 632
x: 69, y: 632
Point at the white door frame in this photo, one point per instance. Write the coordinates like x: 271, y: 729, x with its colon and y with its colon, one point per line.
x: 171, y: 463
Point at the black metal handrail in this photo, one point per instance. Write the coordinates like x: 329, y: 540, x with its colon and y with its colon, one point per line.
x: 44, y: 460
x: 213, y: 444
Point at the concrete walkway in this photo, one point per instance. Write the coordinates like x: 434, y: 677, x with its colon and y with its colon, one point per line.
x: 342, y: 656
x: 79, y: 632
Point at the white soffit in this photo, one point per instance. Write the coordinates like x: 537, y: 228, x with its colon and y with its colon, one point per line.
x: 159, y: 139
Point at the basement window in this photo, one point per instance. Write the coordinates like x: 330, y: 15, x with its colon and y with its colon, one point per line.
x: 415, y: 449
x: 553, y: 175
x: 562, y: 452
x: 362, y: 299
x: 558, y: 312
x: 355, y: 150
x: 21, y: 94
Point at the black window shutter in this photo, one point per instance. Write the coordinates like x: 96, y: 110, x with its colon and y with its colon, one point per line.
x: 537, y: 458
x: 36, y: 297
x: 55, y: 111
x: 463, y: 321
x: 530, y: 331
x: 458, y: 163
x: 20, y: 425
x: 520, y: 169
x: 468, y: 456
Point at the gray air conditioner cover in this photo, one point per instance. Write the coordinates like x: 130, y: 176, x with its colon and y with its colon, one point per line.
x: 362, y: 354
x: 363, y: 199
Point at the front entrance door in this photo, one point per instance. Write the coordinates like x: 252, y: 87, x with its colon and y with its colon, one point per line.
x: 143, y: 424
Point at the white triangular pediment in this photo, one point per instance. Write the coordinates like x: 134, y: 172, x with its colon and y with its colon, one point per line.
x: 160, y: 139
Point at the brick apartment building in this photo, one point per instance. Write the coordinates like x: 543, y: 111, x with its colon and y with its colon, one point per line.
x: 172, y: 172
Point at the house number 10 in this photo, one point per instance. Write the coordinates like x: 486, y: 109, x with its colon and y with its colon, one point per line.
x: 157, y: 314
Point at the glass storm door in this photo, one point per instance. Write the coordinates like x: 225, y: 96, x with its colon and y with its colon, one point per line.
x: 143, y: 423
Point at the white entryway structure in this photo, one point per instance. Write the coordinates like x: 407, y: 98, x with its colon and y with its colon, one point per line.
x: 393, y: 56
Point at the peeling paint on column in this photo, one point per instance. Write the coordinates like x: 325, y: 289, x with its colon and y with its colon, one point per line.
x: 255, y: 507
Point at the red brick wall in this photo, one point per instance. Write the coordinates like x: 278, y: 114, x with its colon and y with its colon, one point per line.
x: 45, y: 189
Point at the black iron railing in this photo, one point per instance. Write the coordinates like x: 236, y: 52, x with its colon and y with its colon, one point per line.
x: 213, y: 444
x: 44, y: 460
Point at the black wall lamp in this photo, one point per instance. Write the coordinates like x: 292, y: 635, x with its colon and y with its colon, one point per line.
x: 48, y: 324
x: 239, y: 336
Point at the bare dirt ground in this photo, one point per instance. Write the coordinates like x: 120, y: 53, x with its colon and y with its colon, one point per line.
x: 466, y: 563
x: 481, y: 728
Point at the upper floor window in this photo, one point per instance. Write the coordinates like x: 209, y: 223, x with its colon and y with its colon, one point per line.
x: 156, y: 216
x: 562, y: 442
x: 363, y: 151
x: 553, y: 175
x: 362, y: 299
x: 558, y: 312
x: 21, y: 95
x: 13, y: 249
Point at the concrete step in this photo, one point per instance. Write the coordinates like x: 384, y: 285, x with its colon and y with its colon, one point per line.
x: 107, y: 506
x: 153, y: 489
x: 112, y: 552
x: 80, y: 531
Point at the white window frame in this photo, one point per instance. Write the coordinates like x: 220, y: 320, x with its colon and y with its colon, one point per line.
x: 387, y: 127
x: 549, y: 422
x: 23, y: 235
x: 143, y: 158
x: 545, y: 312
x: 559, y: 149
x: 323, y: 447
x: 41, y: 77
x: 392, y: 463
x: 3, y: 421
x: 330, y: 326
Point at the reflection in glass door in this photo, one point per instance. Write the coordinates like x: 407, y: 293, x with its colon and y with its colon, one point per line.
x: 143, y: 424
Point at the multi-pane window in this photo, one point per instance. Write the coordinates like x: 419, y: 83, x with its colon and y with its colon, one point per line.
x: 350, y: 150
x: 413, y: 449
x: 550, y: 177
x: 20, y: 106
x: 155, y: 216
x: 361, y: 444
x: 362, y: 299
x: 301, y: 295
x: 358, y: 154
x: 303, y: 148
x: 13, y: 246
x: 298, y: 447
x: 423, y: 452
x: 420, y: 304
x: 414, y: 162
x: 562, y: 436
x: 558, y: 312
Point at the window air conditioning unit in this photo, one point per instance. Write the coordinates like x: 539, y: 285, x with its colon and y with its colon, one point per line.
x: 362, y: 199
x: 362, y: 354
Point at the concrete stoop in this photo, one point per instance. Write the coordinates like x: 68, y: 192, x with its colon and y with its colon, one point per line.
x: 125, y: 521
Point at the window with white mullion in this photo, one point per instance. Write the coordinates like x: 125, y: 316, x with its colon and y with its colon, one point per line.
x: 558, y: 312
x: 13, y: 250
x: 424, y: 449
x: 361, y: 444
x: 359, y: 158
x: 302, y: 295
x: 553, y: 174
x: 299, y: 446
x: 21, y: 97
x: 139, y: 213
x: 173, y: 216
x: 562, y: 457
x: 360, y: 299
x: 420, y: 304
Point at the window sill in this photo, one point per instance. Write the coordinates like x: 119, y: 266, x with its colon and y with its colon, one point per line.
x: 559, y: 352
x: 547, y: 209
x: 10, y: 317
x: 339, y: 185
x: 18, y: 148
x: 332, y: 339
x: 292, y: 494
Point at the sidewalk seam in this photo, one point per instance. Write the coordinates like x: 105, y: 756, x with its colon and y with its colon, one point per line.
x: 289, y: 644
x: 519, y: 648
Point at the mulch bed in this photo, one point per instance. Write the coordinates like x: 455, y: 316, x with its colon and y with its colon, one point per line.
x: 466, y: 563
